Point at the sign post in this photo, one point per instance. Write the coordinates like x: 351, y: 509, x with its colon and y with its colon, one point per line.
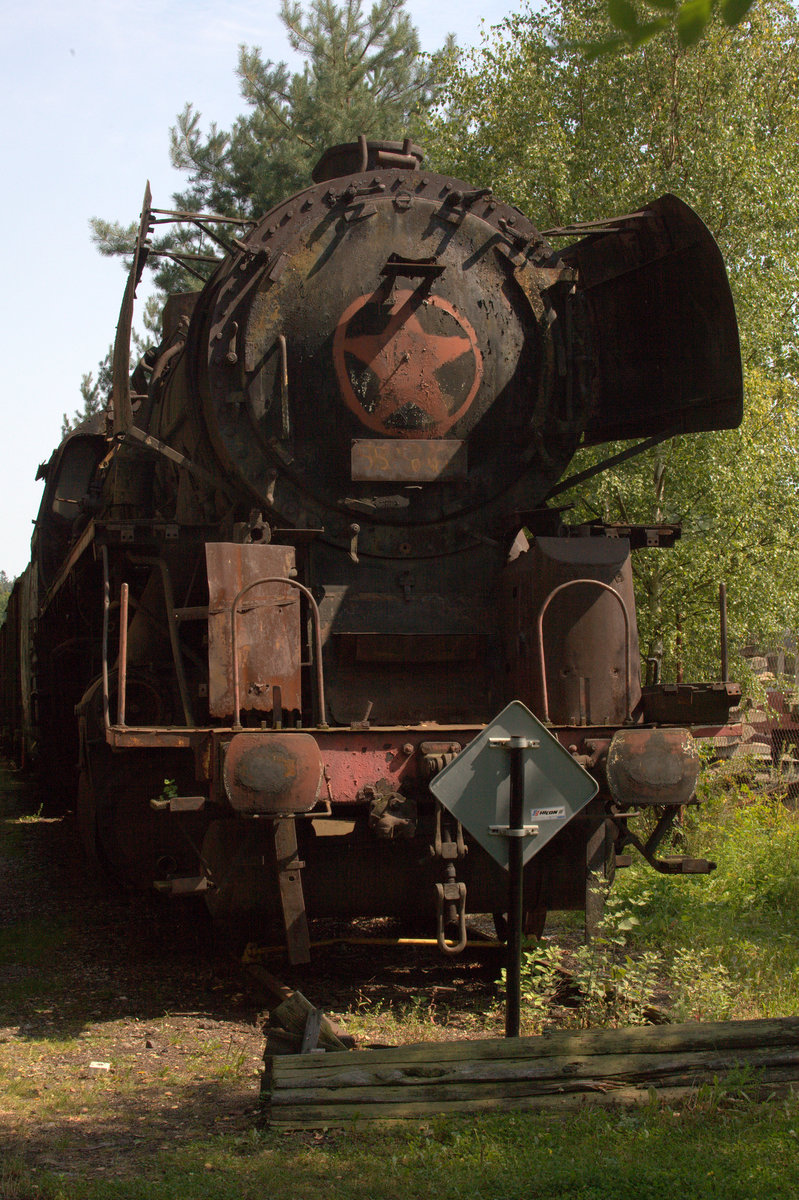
x: 512, y: 804
x: 513, y: 970
x: 515, y: 831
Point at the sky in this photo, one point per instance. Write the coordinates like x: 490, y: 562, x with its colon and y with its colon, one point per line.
x: 90, y: 89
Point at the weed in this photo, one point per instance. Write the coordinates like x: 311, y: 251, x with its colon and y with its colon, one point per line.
x: 31, y: 818
x: 613, y: 984
x: 730, y: 940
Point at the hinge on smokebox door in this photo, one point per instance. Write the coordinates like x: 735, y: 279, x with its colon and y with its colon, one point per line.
x: 451, y: 894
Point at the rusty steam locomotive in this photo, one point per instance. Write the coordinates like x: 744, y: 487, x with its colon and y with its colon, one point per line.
x: 313, y: 546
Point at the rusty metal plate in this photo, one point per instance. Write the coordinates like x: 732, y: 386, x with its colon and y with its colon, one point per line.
x: 268, y: 629
x: 652, y: 766
x: 414, y: 460
x: 664, y: 334
x: 268, y: 771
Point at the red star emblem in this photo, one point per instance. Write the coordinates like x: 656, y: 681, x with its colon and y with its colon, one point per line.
x: 410, y: 372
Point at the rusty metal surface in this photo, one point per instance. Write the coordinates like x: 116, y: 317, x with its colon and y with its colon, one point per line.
x: 391, y: 363
x: 690, y: 703
x: 269, y: 629
x: 589, y: 654
x: 356, y: 874
x: 408, y: 461
x: 292, y: 897
x: 389, y: 373
x: 272, y: 772
x: 403, y: 354
x: 663, y: 328
x: 652, y: 766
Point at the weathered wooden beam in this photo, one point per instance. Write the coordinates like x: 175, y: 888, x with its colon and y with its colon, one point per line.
x: 310, y: 1117
x: 645, y: 1039
x: 293, y: 1015
x: 560, y: 1069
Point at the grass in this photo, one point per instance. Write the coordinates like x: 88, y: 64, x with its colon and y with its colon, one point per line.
x: 730, y: 941
x: 30, y: 942
x: 724, y: 946
x: 712, y: 1148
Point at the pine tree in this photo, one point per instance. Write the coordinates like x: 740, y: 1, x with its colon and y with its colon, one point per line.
x: 363, y: 74
x: 95, y: 392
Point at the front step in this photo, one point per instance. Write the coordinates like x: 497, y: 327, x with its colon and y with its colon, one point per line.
x: 674, y: 864
x: 183, y: 885
x: 179, y: 804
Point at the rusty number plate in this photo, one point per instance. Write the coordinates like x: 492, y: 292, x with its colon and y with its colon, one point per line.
x: 408, y: 460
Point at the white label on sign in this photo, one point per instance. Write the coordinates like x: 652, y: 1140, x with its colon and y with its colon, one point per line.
x: 549, y: 813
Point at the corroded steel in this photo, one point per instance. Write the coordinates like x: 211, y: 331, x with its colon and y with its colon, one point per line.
x: 652, y: 766
x: 408, y: 461
x: 318, y: 517
x: 272, y: 772
x: 269, y: 629
x: 389, y: 363
x: 571, y: 644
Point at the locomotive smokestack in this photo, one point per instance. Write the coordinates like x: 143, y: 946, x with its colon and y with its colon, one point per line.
x: 352, y: 158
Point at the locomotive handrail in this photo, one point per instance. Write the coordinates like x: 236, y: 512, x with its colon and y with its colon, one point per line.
x: 542, y: 652
x: 234, y: 640
x: 122, y: 683
x: 106, y: 614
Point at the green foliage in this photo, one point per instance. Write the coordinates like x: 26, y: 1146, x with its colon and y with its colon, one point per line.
x: 363, y: 74
x: 169, y: 790
x: 570, y: 137
x: 95, y: 391
x: 689, y: 20
x: 731, y: 939
x: 6, y: 585
x: 720, y: 947
x: 613, y: 985
x: 735, y: 495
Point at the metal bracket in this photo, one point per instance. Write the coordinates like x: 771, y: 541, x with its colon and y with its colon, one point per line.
x: 515, y: 743
x: 452, y: 894
x: 178, y: 804
x: 506, y: 831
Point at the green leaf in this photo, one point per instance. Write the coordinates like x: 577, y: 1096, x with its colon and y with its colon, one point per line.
x: 623, y: 15
x: 649, y: 30
x: 663, y: 5
x: 596, y: 50
x: 692, y: 17
x: 734, y: 11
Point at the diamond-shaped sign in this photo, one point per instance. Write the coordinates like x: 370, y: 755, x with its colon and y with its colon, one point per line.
x: 475, y: 786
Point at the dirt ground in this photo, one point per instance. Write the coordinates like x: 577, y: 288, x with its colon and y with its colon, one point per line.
x: 127, y: 1023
